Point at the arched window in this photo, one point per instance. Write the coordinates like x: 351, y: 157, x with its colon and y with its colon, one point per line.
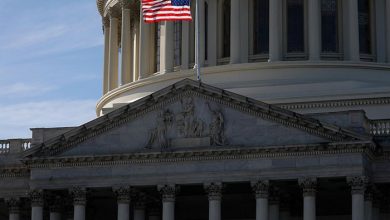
x: 261, y: 26
x: 329, y: 26
x: 226, y: 28
x: 295, y: 26
x: 364, y: 26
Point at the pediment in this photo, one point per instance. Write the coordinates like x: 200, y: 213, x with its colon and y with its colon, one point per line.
x: 190, y: 115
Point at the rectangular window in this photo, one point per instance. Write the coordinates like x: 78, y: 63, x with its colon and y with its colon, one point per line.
x: 177, y: 54
x: 364, y: 26
x: 295, y: 26
x: 329, y: 26
x: 261, y: 26
x: 226, y: 28
x: 157, y: 45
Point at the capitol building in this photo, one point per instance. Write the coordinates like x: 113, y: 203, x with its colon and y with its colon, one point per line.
x: 291, y: 120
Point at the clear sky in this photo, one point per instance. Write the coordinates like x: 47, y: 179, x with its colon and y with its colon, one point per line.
x: 51, y: 54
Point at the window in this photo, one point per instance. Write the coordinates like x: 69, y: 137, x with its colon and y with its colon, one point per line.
x: 226, y: 28
x: 329, y: 26
x: 157, y: 45
x: 364, y: 26
x: 261, y: 26
x: 177, y: 53
x: 295, y: 26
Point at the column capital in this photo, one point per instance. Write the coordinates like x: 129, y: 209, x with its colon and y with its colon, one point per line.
x: 114, y: 13
x: 274, y: 195
x: 122, y: 193
x: 308, y: 185
x: 168, y: 192
x: 357, y: 183
x: 106, y: 22
x: 214, y: 190
x: 36, y: 197
x: 79, y: 195
x: 261, y: 188
x: 13, y: 205
x: 126, y: 4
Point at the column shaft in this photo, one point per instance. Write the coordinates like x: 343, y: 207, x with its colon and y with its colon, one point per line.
x: 357, y: 206
x: 368, y: 210
x: 275, y: 31
x: 168, y: 210
x: 309, y: 207
x: 214, y: 210
x: 212, y: 33
x: 106, y: 55
x: 167, y: 47
x: 126, y: 46
x: 113, y: 61
x: 234, y: 33
x: 55, y: 216
x: 37, y: 213
x: 261, y: 208
x: 79, y: 212
x: 123, y: 211
x: 274, y: 211
x: 14, y: 216
x: 185, y: 45
x: 387, y: 14
x: 144, y: 49
x: 136, y: 51
x: 351, y: 38
x: 314, y: 22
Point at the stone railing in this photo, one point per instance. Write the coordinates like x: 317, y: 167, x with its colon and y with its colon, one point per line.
x: 14, y: 145
x: 380, y: 127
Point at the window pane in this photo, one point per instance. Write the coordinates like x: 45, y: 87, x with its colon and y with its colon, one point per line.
x: 364, y: 26
x: 261, y: 26
x: 157, y: 43
x: 177, y: 55
x: 295, y: 26
x: 329, y: 27
x: 226, y: 28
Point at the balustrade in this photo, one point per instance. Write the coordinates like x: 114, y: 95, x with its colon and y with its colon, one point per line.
x: 380, y: 127
x: 14, y: 145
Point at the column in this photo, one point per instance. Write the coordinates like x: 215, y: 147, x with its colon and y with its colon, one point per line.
x: 36, y: 197
x: 368, y: 204
x: 79, y: 195
x: 106, y: 28
x: 351, y: 31
x: 139, y: 209
x: 185, y: 45
x: 214, y: 191
x: 234, y: 33
x: 309, y: 186
x: 55, y: 207
x: 126, y: 44
x: 13, y: 208
x: 212, y: 33
x: 202, y: 29
x: 123, y: 199
x: 357, y: 190
x: 275, y: 31
x: 244, y: 31
x: 168, y: 193
x: 314, y: 23
x: 145, y: 48
x: 113, y: 47
x: 167, y: 47
x: 387, y: 14
x: 273, y: 209
x: 136, y: 47
x: 260, y: 189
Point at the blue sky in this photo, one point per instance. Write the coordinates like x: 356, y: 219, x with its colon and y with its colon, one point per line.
x: 51, y: 54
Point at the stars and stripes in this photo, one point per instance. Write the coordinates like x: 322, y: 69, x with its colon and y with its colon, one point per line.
x: 166, y: 10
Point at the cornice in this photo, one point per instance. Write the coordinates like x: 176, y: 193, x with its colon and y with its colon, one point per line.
x: 14, y: 172
x: 100, y: 6
x: 191, y: 88
x: 205, y: 155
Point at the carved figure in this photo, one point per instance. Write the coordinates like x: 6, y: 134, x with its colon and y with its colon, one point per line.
x: 217, y: 134
x: 159, y: 134
x: 187, y: 124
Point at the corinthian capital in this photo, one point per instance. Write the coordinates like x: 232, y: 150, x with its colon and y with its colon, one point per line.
x: 357, y: 183
x: 168, y: 192
x: 13, y: 205
x: 126, y: 4
x: 122, y: 193
x: 308, y: 185
x: 79, y: 195
x: 36, y: 197
x: 214, y: 190
x: 261, y: 188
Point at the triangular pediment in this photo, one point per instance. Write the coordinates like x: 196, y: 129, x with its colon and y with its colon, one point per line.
x: 191, y: 115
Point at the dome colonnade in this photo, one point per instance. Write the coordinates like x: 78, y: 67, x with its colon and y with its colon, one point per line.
x: 239, y: 32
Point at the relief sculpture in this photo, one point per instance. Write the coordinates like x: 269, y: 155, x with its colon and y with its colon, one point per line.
x: 187, y: 124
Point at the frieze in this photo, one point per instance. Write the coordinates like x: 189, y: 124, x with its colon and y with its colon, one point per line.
x: 187, y: 88
x: 215, y: 154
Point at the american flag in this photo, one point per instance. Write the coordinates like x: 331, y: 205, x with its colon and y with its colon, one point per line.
x: 166, y: 10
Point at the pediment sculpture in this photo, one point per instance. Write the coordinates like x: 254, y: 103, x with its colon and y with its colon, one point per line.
x: 185, y: 127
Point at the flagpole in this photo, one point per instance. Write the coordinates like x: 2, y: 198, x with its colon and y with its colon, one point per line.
x: 197, y: 45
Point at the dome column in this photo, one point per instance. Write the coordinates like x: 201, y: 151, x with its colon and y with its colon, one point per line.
x: 387, y: 14
x: 113, y: 47
x: 314, y: 22
x: 167, y: 47
x: 106, y: 29
x: 144, y: 48
x: 351, y: 31
x: 212, y: 33
x: 234, y: 32
x: 126, y: 44
x: 275, y: 33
